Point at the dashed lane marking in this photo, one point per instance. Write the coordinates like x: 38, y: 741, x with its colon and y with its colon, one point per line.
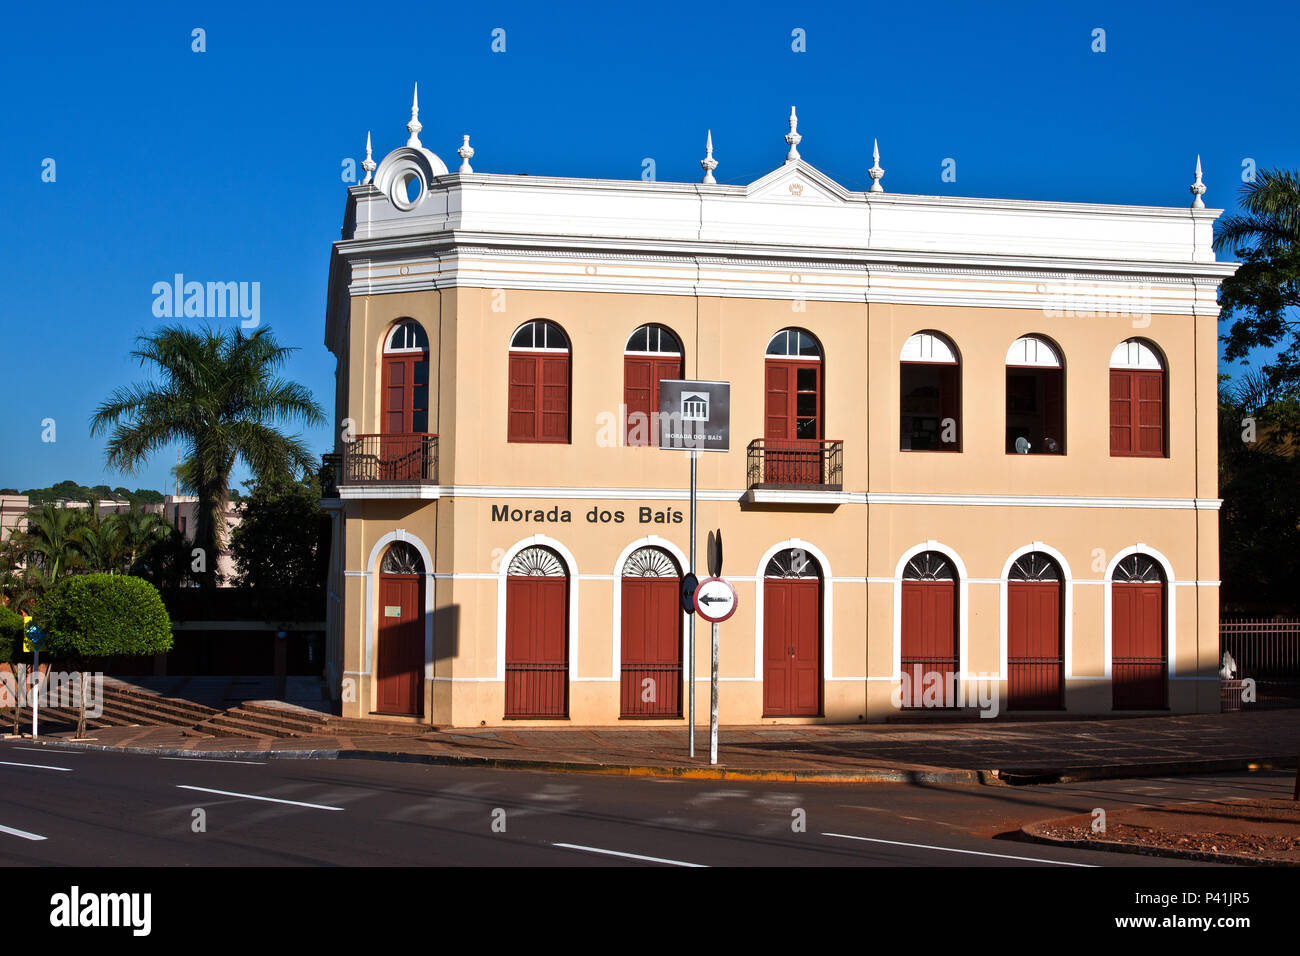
x: 948, y: 849
x: 628, y: 856
x: 34, y: 766
x: 22, y: 833
x: 254, y: 796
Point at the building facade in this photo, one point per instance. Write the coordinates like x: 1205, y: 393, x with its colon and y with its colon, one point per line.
x: 972, y: 461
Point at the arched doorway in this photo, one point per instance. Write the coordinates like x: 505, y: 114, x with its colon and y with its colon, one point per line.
x: 537, y: 635
x: 399, y: 665
x: 929, y: 652
x: 1035, y: 651
x: 651, y: 641
x: 792, y: 635
x: 1139, y: 649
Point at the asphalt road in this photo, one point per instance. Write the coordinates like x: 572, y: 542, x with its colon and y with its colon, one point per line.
x: 86, y: 808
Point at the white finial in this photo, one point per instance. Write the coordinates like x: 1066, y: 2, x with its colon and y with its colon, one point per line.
x: 708, y: 163
x: 368, y: 164
x: 1198, y: 187
x: 466, y: 153
x: 875, y: 172
x: 793, y: 138
x: 414, y: 126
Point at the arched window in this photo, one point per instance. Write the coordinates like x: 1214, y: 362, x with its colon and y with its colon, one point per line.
x: 402, y: 558
x: 1035, y: 398
x: 651, y: 626
x: 929, y: 650
x: 538, y: 402
x: 792, y: 408
x: 537, y: 634
x: 929, y: 394
x: 792, y: 635
x: 1139, y: 648
x: 653, y: 353
x: 1137, y: 401
x: 1035, y: 649
x: 406, y: 380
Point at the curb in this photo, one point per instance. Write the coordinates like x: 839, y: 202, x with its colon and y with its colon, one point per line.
x: 560, y: 766
x: 1020, y: 778
x: 1135, y: 849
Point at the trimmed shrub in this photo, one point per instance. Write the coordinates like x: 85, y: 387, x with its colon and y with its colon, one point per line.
x: 87, y: 616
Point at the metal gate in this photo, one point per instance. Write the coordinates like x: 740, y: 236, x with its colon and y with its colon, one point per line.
x: 537, y: 636
x: 1035, y: 653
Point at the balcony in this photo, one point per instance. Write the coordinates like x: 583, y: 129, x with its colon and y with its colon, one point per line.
x: 389, y: 466
x: 794, y: 469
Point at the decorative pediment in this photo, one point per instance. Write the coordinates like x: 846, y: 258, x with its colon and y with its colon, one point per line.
x: 798, y: 182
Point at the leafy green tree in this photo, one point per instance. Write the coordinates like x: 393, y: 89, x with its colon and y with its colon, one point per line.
x: 49, y: 543
x: 91, y: 616
x: 99, y: 543
x: 218, y: 395
x: 1263, y: 296
x: 282, y: 540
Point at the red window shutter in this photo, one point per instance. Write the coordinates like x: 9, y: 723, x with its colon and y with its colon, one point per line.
x: 1121, y: 413
x: 1149, y: 413
x: 396, y: 392
x: 639, y: 391
x: 554, y: 375
x: 950, y: 403
x: 522, y: 403
x: 779, y: 418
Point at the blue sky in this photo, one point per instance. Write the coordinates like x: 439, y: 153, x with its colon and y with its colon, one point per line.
x: 226, y: 165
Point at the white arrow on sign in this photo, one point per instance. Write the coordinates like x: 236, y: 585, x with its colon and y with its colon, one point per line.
x: 715, y: 600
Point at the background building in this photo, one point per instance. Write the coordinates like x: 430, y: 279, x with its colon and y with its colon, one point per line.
x: 973, y: 445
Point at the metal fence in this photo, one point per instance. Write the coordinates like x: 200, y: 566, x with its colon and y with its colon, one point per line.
x: 796, y: 463
x: 1266, y: 652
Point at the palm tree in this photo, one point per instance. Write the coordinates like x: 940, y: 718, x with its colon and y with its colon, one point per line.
x: 100, y: 543
x: 49, y: 544
x: 1272, y: 220
x: 219, y: 397
x: 141, y: 530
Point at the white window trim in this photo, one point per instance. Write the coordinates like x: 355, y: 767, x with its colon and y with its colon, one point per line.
x: 1147, y: 359
x: 1170, y: 630
x: 917, y: 345
x: 372, y: 631
x: 1052, y: 358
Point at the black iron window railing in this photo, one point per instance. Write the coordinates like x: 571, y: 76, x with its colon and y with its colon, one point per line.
x: 387, y: 459
x: 796, y: 463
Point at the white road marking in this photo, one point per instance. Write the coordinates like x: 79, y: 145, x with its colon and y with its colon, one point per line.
x: 21, y: 833
x: 948, y: 849
x: 253, y: 796
x: 34, y: 766
x: 630, y: 856
x: 251, y: 763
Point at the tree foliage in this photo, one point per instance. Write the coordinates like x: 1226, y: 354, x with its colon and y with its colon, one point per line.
x: 217, y: 394
x: 282, y: 540
x: 89, y: 616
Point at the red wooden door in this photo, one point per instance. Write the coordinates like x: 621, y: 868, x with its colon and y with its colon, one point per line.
x: 929, y: 640
x: 641, y: 378
x: 405, y: 416
x: 652, y: 647
x: 1139, y: 664
x: 537, y: 647
x: 1035, y: 658
x: 792, y: 423
x: 792, y: 647
x: 400, y: 666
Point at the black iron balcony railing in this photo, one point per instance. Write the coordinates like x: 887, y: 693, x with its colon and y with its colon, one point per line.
x: 796, y: 463
x: 390, y: 459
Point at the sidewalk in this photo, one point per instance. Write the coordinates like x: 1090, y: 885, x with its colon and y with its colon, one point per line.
x: 971, y: 752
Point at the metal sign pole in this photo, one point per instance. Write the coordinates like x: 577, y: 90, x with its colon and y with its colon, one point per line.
x: 36, y: 687
x: 713, y: 701
x: 690, y: 650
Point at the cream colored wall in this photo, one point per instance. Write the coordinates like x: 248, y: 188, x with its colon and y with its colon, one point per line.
x: 469, y: 331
